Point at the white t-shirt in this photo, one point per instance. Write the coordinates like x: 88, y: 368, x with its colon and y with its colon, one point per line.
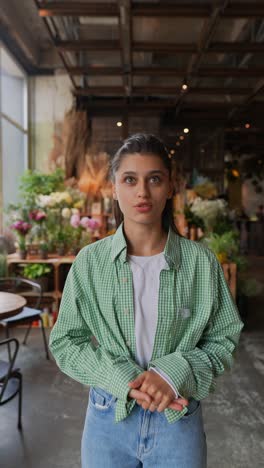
x: 146, y: 281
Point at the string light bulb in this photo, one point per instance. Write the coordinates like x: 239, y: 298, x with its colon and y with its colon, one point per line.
x: 186, y: 130
x: 184, y: 85
x: 119, y: 124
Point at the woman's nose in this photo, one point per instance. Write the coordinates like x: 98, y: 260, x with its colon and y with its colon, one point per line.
x: 143, y: 190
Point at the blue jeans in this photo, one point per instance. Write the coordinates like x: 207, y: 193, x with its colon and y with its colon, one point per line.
x: 143, y: 439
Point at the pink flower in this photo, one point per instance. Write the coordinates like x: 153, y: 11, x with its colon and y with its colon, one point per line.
x: 40, y: 215
x: 85, y: 222
x: 75, y: 220
x: 93, y: 224
x: 37, y: 215
x: 89, y: 223
x: 22, y: 227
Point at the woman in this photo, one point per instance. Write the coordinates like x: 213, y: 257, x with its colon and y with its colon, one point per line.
x: 164, y: 320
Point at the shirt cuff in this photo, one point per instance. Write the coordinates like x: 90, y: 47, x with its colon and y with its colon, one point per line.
x: 167, y: 379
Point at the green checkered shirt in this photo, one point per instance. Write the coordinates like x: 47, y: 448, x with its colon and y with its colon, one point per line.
x: 198, y: 325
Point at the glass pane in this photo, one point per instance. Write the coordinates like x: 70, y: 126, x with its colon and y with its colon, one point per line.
x: 13, y: 90
x: 14, y: 160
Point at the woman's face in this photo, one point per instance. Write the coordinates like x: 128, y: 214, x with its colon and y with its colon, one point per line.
x: 142, y: 187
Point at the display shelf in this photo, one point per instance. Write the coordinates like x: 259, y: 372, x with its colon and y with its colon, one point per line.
x: 57, y: 277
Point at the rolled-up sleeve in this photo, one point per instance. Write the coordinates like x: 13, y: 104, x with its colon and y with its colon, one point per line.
x: 194, y: 372
x: 72, y: 346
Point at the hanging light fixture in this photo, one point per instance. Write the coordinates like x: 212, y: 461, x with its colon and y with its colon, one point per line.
x: 184, y: 85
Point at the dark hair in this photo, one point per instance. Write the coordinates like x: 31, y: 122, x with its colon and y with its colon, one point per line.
x: 144, y: 144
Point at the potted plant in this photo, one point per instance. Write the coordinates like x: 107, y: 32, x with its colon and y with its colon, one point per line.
x: 38, y: 272
x: 22, y: 228
x: 43, y: 250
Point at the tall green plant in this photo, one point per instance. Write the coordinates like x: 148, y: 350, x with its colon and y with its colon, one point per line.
x: 3, y: 265
x: 226, y: 247
x: 34, y: 183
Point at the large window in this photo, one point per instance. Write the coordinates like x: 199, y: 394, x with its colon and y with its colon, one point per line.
x: 13, y: 128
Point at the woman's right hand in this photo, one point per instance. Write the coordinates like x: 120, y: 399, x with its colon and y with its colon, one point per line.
x: 178, y: 404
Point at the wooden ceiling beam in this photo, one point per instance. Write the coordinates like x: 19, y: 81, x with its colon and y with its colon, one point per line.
x: 112, y: 104
x: 100, y: 90
x: 77, y: 9
x: 216, y: 47
x: 80, y: 45
x: 236, y: 47
x: 95, y: 71
x: 235, y: 72
x: 196, y: 90
x: 162, y: 90
x: 194, y: 10
x: 166, y: 71
x: 206, y: 34
x: 125, y: 28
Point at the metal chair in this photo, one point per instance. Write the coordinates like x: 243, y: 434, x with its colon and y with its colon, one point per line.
x: 11, y: 378
x: 32, y: 291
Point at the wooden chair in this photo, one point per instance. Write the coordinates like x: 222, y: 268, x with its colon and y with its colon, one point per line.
x: 11, y: 377
x: 33, y: 293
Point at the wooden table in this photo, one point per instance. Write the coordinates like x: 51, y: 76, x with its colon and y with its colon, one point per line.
x: 10, y: 304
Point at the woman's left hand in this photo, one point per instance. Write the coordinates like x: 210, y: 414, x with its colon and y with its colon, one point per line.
x: 160, y: 391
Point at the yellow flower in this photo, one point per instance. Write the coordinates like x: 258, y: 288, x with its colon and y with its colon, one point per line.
x: 78, y: 204
x: 68, y: 199
x: 222, y: 257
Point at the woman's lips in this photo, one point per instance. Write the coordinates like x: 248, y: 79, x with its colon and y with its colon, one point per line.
x: 143, y: 208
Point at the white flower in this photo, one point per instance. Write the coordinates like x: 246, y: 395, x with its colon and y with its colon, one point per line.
x: 43, y: 200
x: 209, y: 210
x: 66, y: 213
x: 75, y: 211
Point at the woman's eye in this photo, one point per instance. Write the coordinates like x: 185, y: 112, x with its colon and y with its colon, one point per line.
x: 155, y: 179
x: 129, y: 179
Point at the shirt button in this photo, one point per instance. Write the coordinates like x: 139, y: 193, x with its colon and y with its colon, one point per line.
x: 128, y: 343
x: 124, y: 280
x: 126, y: 311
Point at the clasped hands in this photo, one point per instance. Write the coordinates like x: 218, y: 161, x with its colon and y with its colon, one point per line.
x: 152, y: 392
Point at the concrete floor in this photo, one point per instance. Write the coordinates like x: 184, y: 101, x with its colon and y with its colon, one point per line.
x: 54, y: 408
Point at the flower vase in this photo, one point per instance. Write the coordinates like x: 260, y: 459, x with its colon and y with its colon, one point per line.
x: 43, y: 254
x: 61, y: 250
x: 75, y: 250
x: 22, y: 254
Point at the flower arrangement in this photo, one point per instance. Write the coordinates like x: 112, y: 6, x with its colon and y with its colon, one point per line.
x: 193, y: 219
x: 82, y: 229
x: 225, y: 246
x: 47, y: 205
x: 206, y: 189
x: 54, y: 199
x: 209, y: 211
x: 22, y: 228
x: 37, y: 215
x: 85, y: 222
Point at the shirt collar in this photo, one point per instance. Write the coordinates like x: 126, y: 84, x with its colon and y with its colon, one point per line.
x: 171, y: 251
